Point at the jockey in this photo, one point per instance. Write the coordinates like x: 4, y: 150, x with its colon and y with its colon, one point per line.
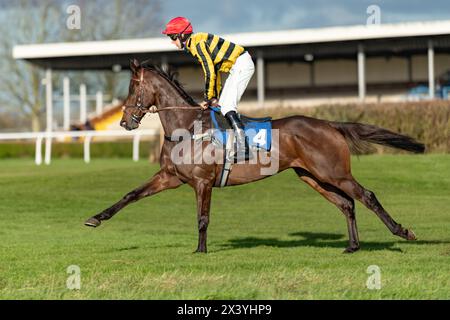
x: 217, y: 55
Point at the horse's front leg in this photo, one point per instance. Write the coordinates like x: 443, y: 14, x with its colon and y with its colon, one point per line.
x: 159, y: 182
x: 203, y: 191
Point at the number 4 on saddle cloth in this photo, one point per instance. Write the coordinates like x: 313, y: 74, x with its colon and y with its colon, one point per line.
x: 257, y: 130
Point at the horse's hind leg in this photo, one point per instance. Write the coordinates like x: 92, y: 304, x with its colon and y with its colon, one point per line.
x: 368, y: 198
x: 341, y: 200
x: 159, y: 182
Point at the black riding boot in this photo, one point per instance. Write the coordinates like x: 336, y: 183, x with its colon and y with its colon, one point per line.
x: 242, y: 148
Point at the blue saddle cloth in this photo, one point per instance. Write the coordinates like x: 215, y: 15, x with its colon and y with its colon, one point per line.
x: 258, y: 130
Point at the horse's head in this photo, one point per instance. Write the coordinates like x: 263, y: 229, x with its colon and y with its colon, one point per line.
x: 141, y: 96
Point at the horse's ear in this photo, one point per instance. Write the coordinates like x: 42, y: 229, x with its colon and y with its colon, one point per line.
x: 134, y: 65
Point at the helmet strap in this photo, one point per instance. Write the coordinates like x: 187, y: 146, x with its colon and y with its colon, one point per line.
x: 183, y: 41
x: 185, y: 28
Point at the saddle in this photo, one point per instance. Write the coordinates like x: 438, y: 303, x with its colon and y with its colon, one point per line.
x: 257, y: 130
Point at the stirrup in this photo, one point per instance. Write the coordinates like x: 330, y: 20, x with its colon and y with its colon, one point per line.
x: 241, y: 139
x: 242, y: 149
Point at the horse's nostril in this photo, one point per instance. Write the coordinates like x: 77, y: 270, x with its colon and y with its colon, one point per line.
x: 123, y: 123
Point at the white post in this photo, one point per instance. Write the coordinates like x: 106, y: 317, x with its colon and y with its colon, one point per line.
x: 312, y: 74
x: 431, y: 83
x: 99, y: 103
x: 49, y: 110
x: 66, y: 95
x: 136, y: 141
x: 164, y: 63
x: 260, y: 79
x: 38, y: 157
x: 48, y: 150
x: 49, y: 99
x: 87, y: 148
x: 83, y: 104
x: 410, y: 69
x: 361, y: 73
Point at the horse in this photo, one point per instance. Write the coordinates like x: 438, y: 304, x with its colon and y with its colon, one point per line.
x: 319, y: 151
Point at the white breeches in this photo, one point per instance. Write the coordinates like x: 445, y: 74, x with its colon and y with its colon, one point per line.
x: 240, y: 75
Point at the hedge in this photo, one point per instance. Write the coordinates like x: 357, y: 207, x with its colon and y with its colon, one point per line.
x: 427, y: 121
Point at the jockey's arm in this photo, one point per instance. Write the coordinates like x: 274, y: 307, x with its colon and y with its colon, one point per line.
x: 209, y: 70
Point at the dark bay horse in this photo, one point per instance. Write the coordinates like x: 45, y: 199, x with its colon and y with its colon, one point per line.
x: 317, y: 150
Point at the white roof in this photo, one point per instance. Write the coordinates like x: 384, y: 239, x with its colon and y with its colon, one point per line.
x: 255, y: 39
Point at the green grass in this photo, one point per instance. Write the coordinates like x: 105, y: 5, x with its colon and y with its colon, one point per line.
x: 281, y: 241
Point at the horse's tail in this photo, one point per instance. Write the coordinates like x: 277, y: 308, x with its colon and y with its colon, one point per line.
x: 357, y: 133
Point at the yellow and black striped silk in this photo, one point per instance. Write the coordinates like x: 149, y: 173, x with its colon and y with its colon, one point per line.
x: 215, y: 55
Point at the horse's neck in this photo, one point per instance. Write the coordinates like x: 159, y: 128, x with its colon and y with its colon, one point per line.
x: 175, y: 118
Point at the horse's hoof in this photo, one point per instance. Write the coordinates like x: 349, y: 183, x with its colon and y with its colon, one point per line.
x: 351, y: 249
x: 92, y: 222
x: 410, y: 235
x: 199, y: 251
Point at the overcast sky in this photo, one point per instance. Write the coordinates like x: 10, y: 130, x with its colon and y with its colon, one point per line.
x: 229, y: 16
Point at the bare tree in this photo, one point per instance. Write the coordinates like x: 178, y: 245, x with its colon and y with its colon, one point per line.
x: 20, y: 83
x: 32, y: 21
x: 111, y: 20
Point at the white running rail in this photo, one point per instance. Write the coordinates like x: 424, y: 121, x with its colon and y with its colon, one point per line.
x: 87, y: 135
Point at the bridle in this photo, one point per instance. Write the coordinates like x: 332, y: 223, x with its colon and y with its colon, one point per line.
x: 140, y: 98
x: 153, y: 109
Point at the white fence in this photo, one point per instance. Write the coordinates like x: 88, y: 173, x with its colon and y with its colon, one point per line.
x: 87, y: 135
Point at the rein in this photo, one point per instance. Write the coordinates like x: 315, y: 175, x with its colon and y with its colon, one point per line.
x: 154, y: 109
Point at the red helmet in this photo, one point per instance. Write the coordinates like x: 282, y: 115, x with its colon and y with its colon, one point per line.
x: 179, y: 25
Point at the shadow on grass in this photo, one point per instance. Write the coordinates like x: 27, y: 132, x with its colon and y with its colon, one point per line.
x: 127, y: 248
x: 318, y: 240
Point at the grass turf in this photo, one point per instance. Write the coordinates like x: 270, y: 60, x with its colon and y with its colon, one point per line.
x: 274, y: 239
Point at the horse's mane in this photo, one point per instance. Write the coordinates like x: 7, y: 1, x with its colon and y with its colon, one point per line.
x: 172, y: 77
